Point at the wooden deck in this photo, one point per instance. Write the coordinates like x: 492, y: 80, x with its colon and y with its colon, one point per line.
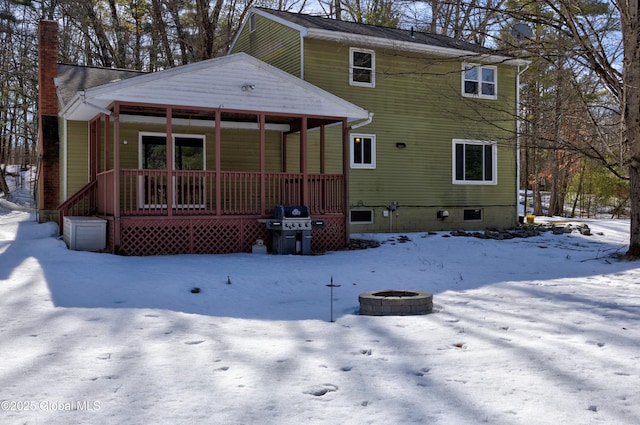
x: 211, y: 212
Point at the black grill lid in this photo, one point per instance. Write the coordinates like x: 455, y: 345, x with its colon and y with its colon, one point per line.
x: 294, y: 212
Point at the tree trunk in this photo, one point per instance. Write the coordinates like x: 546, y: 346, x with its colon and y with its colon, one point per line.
x: 579, y: 189
x: 631, y: 76
x: 120, y: 56
x: 161, y: 31
x: 186, y: 50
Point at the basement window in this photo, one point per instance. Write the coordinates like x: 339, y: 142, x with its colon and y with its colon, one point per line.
x: 361, y: 216
x: 473, y: 214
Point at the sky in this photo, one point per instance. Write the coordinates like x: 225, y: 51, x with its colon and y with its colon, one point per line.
x: 541, y: 330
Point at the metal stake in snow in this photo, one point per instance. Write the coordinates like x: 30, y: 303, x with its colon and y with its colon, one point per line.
x: 331, y: 286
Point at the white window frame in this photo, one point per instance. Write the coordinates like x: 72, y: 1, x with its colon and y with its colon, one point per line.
x: 141, y: 135
x: 494, y: 162
x: 352, y: 145
x: 369, y: 210
x: 252, y: 23
x: 372, y: 83
x: 479, y: 93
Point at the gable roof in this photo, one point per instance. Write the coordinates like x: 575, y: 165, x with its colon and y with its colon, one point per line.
x: 235, y: 82
x: 323, y: 28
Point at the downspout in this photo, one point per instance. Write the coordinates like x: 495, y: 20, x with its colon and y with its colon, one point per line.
x: 302, y: 56
x: 65, y: 157
x: 518, y: 120
x: 363, y: 123
x: 346, y: 152
x: 65, y: 146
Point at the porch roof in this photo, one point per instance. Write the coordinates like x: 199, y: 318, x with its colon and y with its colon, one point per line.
x: 236, y: 82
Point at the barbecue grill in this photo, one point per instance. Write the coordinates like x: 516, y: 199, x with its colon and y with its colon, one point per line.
x: 291, y: 227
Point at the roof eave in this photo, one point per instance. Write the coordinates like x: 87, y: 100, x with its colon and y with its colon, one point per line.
x: 408, y: 46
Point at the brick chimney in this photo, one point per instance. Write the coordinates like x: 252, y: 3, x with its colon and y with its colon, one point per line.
x: 48, y: 136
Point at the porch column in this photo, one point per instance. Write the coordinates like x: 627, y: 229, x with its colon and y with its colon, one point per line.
x: 304, y: 167
x: 107, y: 134
x: 218, y: 163
x: 322, y: 149
x: 93, y: 151
x: 263, y: 200
x: 345, y: 178
x: 116, y: 174
x: 169, y: 153
x: 284, y: 153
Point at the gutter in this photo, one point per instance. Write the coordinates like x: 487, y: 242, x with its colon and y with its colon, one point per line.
x: 411, y: 46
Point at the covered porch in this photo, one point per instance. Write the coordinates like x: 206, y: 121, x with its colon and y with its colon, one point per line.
x: 202, y: 177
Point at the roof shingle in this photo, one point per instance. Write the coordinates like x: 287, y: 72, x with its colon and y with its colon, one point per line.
x: 393, y: 34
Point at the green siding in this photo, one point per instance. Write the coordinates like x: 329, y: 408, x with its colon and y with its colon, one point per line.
x: 77, y: 156
x: 417, y: 100
x: 273, y: 43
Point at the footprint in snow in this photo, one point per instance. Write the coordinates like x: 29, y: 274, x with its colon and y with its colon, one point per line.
x: 423, y: 371
x: 194, y: 342
x: 320, y: 390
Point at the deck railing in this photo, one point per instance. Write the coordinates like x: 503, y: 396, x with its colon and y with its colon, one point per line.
x: 82, y: 203
x: 145, y: 192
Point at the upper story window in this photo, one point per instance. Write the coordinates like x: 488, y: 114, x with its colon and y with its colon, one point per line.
x: 362, y: 67
x: 474, y: 162
x: 363, y: 151
x: 252, y: 23
x: 480, y: 81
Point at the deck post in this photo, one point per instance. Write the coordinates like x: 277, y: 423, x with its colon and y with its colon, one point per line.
x: 169, y: 161
x: 346, y: 152
x: 218, y: 162
x: 263, y: 201
x: 116, y: 174
x: 322, y: 148
x: 304, y: 168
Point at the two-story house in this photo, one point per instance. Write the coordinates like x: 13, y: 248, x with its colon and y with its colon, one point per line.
x: 373, y: 129
x: 441, y: 151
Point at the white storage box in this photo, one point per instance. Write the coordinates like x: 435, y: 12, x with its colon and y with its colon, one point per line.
x: 85, y: 233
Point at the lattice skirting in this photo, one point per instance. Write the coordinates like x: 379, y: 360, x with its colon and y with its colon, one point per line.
x: 201, y: 235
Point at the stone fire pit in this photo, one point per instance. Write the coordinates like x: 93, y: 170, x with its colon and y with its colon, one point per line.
x: 392, y: 302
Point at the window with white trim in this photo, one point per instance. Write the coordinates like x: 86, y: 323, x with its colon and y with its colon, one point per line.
x: 479, y: 81
x: 362, y: 67
x: 252, y: 23
x: 363, y: 151
x: 474, y: 162
x: 188, y: 155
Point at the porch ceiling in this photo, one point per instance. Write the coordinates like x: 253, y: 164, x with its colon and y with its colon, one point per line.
x: 236, y: 84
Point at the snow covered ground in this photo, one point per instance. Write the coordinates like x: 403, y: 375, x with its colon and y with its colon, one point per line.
x: 544, y: 330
